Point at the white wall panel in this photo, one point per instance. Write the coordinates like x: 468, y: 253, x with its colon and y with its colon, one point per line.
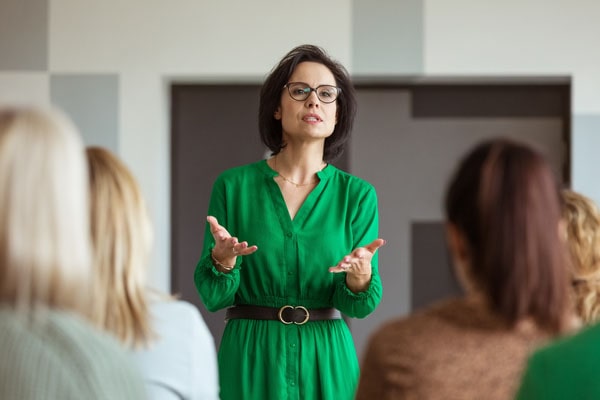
x: 534, y: 37
x: 144, y: 145
x: 190, y: 36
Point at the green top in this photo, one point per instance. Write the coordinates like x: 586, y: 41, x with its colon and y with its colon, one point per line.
x: 566, y: 369
x: 59, y: 356
x: 267, y: 359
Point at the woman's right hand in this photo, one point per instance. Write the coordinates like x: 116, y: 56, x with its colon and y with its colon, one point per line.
x: 227, y: 247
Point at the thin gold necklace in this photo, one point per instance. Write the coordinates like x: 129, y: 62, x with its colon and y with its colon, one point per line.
x: 291, y: 181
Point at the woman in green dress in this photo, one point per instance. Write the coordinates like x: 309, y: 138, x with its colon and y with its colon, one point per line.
x: 291, y: 242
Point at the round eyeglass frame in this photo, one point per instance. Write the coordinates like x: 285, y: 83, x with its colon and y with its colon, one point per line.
x: 306, y: 95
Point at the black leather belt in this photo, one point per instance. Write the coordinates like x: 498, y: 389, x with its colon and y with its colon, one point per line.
x: 287, y: 314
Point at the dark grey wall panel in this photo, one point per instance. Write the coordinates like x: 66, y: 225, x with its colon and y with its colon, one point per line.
x: 497, y: 100
x: 24, y: 35
x: 92, y: 101
x: 432, y: 274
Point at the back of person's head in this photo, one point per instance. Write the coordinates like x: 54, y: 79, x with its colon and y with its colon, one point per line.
x: 505, y: 200
x: 44, y: 224
x: 121, y: 237
x: 582, y: 219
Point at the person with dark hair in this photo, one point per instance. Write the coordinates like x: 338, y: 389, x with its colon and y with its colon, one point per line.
x: 503, y: 215
x: 291, y: 243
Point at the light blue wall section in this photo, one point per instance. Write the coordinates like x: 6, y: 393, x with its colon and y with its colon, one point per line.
x: 586, y: 155
x: 23, y: 35
x: 387, y: 37
x: 92, y: 101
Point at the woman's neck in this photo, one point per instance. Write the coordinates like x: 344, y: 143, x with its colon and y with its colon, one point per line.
x: 297, y: 169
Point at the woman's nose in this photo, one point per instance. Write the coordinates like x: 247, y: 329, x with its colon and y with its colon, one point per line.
x: 313, y: 99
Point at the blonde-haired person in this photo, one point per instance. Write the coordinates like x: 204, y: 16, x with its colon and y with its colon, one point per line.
x: 168, y: 339
x: 583, y: 233
x: 49, y: 350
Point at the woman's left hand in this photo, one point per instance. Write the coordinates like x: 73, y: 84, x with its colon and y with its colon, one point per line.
x: 357, y: 266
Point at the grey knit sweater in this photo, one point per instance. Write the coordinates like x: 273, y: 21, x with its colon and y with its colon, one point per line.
x: 62, y: 358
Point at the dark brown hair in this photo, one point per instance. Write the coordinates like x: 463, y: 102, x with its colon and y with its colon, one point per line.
x: 270, y: 99
x: 505, y: 199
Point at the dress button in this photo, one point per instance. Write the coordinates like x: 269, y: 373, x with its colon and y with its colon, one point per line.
x: 290, y: 273
x: 293, y: 345
x: 289, y: 234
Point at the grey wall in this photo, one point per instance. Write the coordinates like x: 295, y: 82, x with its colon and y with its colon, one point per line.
x: 92, y: 101
x: 24, y: 35
x: 387, y: 37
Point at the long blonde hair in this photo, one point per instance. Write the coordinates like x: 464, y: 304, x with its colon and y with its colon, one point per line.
x: 121, y: 236
x: 45, y: 259
x: 583, y: 232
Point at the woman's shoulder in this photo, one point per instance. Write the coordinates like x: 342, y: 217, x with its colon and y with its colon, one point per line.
x: 243, y: 171
x: 68, y: 347
x: 174, y: 308
x: 59, y: 327
x: 584, y: 344
x: 434, y: 319
x: 178, y: 316
x: 346, y: 178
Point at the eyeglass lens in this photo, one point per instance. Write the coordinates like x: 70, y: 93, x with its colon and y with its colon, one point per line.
x: 301, y: 91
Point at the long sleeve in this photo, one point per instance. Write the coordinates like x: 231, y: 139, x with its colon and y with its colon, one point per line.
x: 217, y: 290
x: 364, y: 225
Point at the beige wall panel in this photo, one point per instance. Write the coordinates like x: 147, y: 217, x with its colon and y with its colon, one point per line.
x: 24, y: 88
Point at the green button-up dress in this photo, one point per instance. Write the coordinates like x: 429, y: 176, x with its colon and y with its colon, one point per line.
x: 265, y: 359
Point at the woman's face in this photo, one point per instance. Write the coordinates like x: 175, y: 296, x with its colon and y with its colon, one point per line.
x: 311, y: 118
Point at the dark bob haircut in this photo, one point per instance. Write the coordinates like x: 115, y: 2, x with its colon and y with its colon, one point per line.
x: 270, y: 99
x: 505, y: 199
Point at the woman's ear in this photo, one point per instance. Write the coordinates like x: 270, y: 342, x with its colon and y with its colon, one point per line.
x: 277, y: 113
x: 456, y: 242
x: 461, y: 257
x: 563, y: 231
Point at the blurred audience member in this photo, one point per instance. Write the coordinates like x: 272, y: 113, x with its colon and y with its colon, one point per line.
x: 583, y: 233
x: 48, y: 349
x: 169, y: 339
x: 503, y: 215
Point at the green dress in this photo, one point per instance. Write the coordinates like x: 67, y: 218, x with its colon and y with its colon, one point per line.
x: 265, y: 359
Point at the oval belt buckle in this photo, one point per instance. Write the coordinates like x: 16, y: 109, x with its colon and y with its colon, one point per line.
x: 282, y: 309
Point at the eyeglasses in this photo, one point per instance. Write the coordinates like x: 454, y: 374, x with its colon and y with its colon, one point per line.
x: 300, y: 91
